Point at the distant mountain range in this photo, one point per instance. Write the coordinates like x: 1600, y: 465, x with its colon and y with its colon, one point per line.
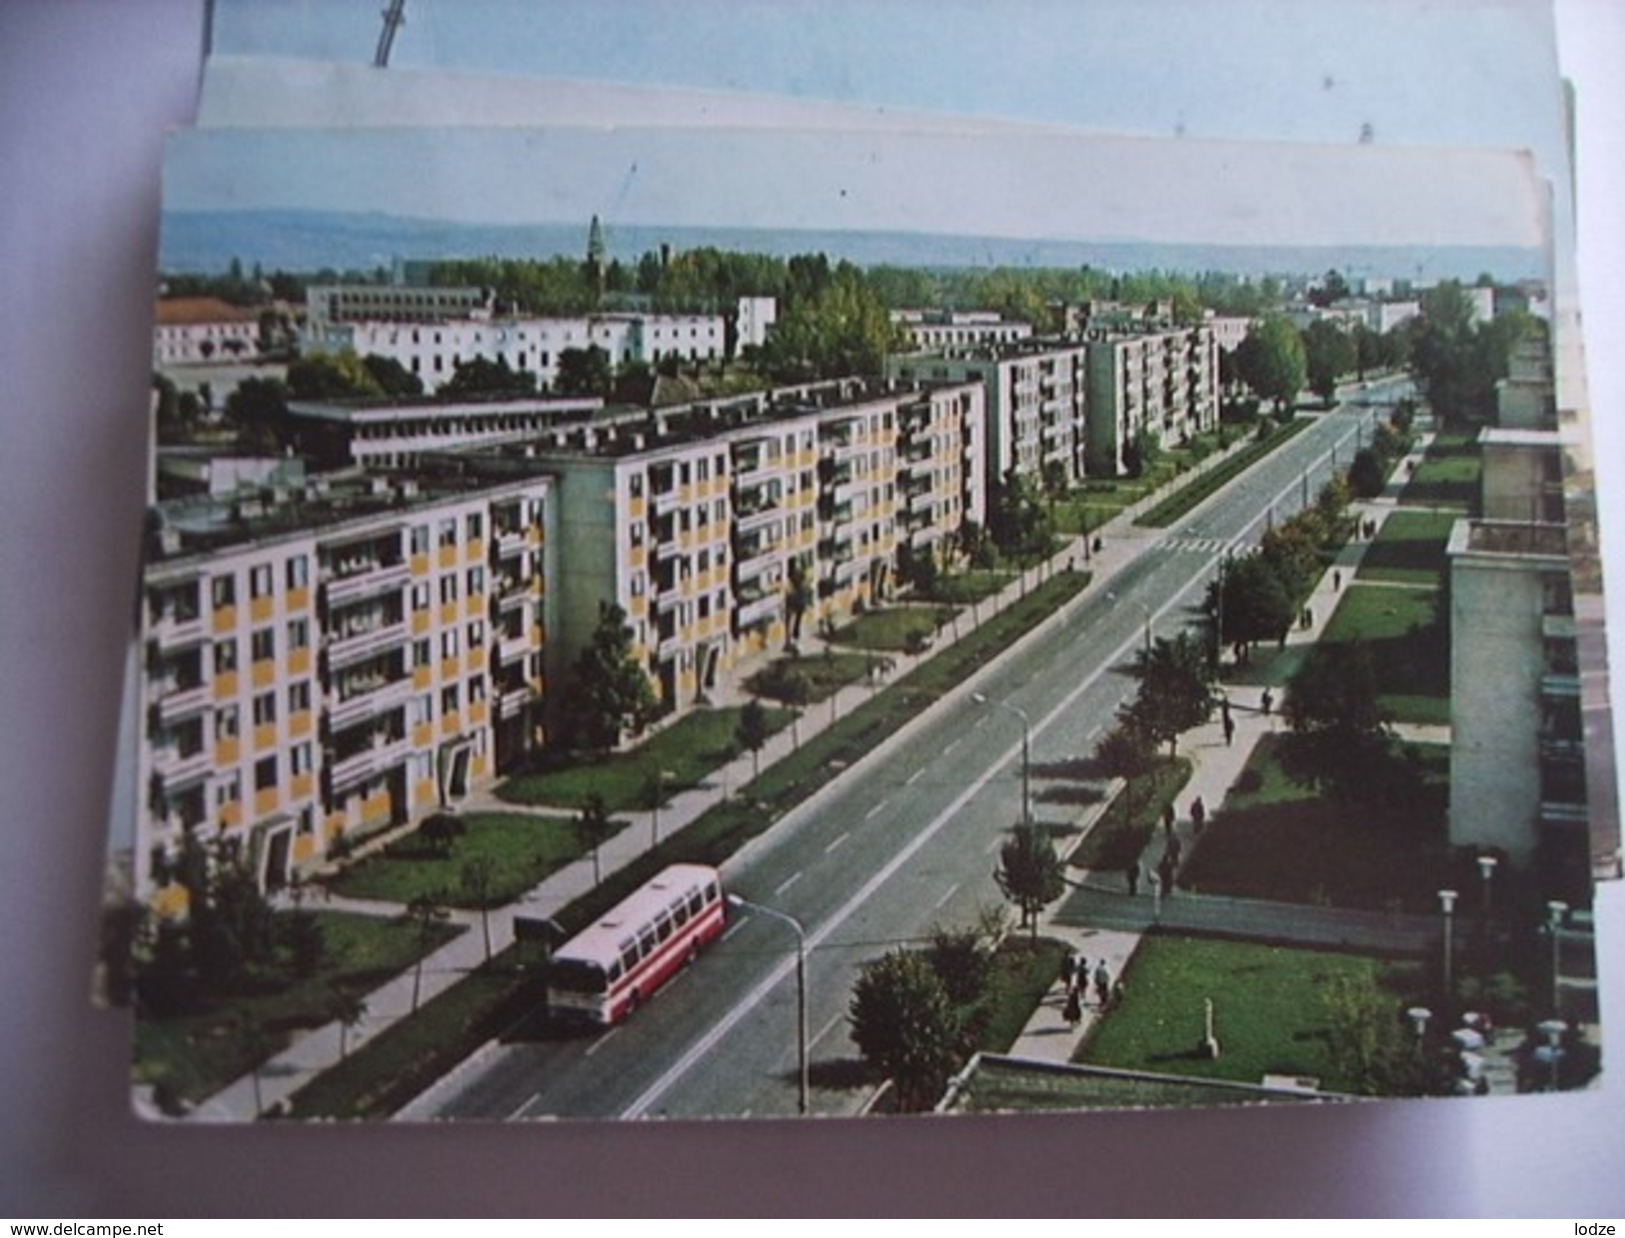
x: 294, y: 240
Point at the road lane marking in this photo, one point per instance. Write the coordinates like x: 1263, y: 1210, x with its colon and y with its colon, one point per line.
x: 909, y: 781
x: 601, y: 1042
x: 520, y: 1112
x: 739, y: 922
x: 686, y: 1062
x: 951, y: 744
x: 834, y: 843
x: 787, y: 883
x: 825, y: 1030
x: 946, y: 895
x: 874, y: 810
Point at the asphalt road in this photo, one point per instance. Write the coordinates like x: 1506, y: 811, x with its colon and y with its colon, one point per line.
x: 906, y: 841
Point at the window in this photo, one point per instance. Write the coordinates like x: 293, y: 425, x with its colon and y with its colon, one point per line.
x: 420, y: 709
x: 260, y: 582
x: 298, y: 634
x: 450, y: 700
x: 635, y: 485
x: 299, y: 761
x: 476, y: 634
x: 265, y: 709
x: 298, y: 572
x: 223, y: 591
x: 448, y: 532
x: 263, y: 644
x: 299, y: 697
x: 228, y: 790
x: 420, y: 539
x: 476, y: 526
x: 225, y: 657
x: 265, y: 774
x: 422, y: 652
x: 448, y: 643
x: 420, y: 595
x: 225, y: 722
x: 476, y: 689
x: 476, y: 581
x: 448, y: 590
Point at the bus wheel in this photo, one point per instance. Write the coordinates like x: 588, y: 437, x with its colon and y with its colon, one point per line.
x: 631, y: 1005
x: 693, y: 953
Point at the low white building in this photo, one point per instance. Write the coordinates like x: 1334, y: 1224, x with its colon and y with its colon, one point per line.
x: 188, y: 330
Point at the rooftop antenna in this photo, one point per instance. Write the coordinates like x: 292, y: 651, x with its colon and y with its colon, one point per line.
x: 394, y: 19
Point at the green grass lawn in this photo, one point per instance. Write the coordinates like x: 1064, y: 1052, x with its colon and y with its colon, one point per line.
x: 1269, y: 1013
x: 1449, y: 476
x: 964, y: 588
x: 195, y: 1055
x: 1123, y: 830
x: 1410, y: 652
x: 1410, y: 548
x: 523, y: 850
x: 825, y: 674
x: 1287, y: 842
x: 1022, y: 973
x: 687, y: 751
x: 1198, y: 489
x: 894, y: 629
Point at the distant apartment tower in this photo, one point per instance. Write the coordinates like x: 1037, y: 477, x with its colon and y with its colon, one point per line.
x: 1162, y: 382
x: 321, y: 664
x: 930, y: 330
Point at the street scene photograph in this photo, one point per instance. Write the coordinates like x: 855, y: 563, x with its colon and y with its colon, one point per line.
x: 713, y: 622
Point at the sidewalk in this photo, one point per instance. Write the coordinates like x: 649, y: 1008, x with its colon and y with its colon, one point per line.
x: 1215, y: 767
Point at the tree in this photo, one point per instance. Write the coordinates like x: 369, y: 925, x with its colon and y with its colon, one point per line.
x: 479, y: 376
x: 440, y: 831
x: 479, y: 881
x: 425, y: 914
x: 1329, y: 354
x: 583, y: 371
x: 1128, y: 752
x: 1339, y: 739
x: 1367, y: 1043
x: 1030, y: 873
x: 393, y: 378
x: 798, y: 599
x: 1367, y: 477
x: 905, y: 1026
x: 1255, y: 603
x: 609, y: 694
x: 1017, y: 521
x: 753, y: 732
x: 593, y: 828
x: 830, y: 323
x: 331, y: 376
x: 258, y: 411
x: 347, y: 1008
x: 1176, y: 688
x: 1271, y: 361
x: 963, y: 961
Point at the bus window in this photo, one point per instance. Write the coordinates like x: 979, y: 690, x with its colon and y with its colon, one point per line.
x: 712, y: 894
x: 696, y: 901
x: 663, y: 926
x: 629, y: 956
x: 574, y: 976
x: 646, y: 942
x: 614, y: 971
x: 679, y: 914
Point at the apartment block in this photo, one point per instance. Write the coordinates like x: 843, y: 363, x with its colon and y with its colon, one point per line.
x: 399, y: 433
x: 322, y: 663
x: 192, y: 330
x: 931, y: 330
x: 1162, y: 382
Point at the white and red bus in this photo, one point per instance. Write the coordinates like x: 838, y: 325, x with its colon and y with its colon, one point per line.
x: 602, y: 973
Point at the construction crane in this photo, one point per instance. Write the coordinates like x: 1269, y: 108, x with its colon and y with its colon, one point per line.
x: 394, y: 19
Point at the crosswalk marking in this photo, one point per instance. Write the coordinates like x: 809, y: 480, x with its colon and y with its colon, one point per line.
x: 1194, y: 545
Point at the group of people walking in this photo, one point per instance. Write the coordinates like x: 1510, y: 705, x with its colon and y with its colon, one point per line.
x: 1077, y: 978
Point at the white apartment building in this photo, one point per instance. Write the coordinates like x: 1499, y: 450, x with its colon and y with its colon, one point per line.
x: 326, y: 304
x: 398, y: 433
x: 933, y: 330
x: 1162, y: 381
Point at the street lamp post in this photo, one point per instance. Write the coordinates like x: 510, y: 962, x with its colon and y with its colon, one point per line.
x: 801, y: 983
x: 1556, y: 909
x: 1419, y: 1016
x: 1447, y: 904
x: 660, y: 793
x: 1486, y: 870
x: 982, y: 698
x: 1553, y: 1030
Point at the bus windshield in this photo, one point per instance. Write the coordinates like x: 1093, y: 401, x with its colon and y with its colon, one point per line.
x: 576, y: 976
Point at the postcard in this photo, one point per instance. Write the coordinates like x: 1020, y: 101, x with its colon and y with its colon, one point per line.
x: 714, y: 622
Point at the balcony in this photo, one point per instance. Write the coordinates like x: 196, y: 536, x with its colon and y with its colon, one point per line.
x: 513, y: 647
x: 348, y: 650
x: 512, y: 702
x: 367, y: 764
x: 373, y: 581
x: 508, y: 543
x: 178, y: 769
x: 1560, y: 685
x: 172, y: 631
x: 177, y: 701
x: 369, y: 703
x: 764, y: 607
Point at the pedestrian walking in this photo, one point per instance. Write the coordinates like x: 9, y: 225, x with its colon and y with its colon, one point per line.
x: 1072, y: 1009
x: 1103, y: 984
x: 1066, y: 972
x: 1229, y: 729
x: 1268, y: 701
x: 1080, y: 972
x: 1337, y: 580
x: 1132, y: 875
x: 1168, y: 818
x: 1168, y: 870
x: 1198, y: 815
